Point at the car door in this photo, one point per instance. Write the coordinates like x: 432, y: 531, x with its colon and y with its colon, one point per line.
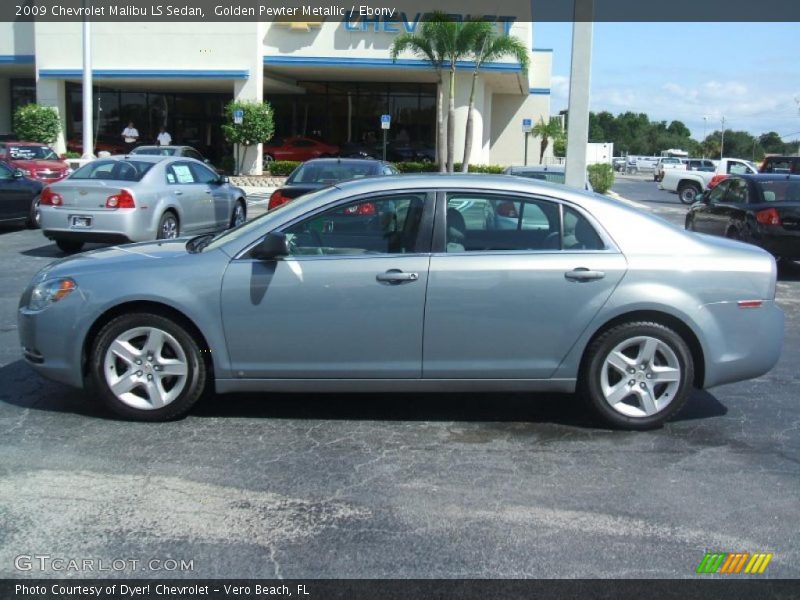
x: 194, y: 198
x: 704, y: 216
x: 348, y: 302
x: 513, y: 282
x: 221, y: 200
x: 724, y: 205
x: 15, y: 195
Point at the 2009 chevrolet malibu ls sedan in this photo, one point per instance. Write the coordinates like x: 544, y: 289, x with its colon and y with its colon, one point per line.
x: 408, y: 284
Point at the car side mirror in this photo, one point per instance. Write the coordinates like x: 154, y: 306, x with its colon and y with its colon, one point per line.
x: 223, y: 179
x: 702, y: 197
x: 274, y: 245
x: 18, y: 173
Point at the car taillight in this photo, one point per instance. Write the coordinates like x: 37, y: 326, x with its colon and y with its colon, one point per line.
x: 50, y: 198
x: 507, y: 209
x: 276, y: 199
x: 365, y: 209
x: 770, y: 216
x: 715, y: 181
x: 123, y: 199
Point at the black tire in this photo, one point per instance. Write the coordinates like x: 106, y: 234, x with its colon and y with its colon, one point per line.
x: 197, y: 376
x: 169, y: 227
x: 689, y: 223
x: 238, y: 206
x: 32, y: 222
x: 688, y: 191
x: 69, y: 246
x: 590, y: 385
x: 733, y: 234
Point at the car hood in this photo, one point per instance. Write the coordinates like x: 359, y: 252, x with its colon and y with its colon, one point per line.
x: 116, y: 257
x: 38, y: 164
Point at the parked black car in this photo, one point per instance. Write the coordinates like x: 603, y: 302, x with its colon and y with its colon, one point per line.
x: 19, y: 197
x: 318, y: 173
x: 780, y: 164
x: 761, y: 209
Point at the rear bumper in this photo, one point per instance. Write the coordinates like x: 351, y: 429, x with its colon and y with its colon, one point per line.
x: 745, y: 342
x: 785, y: 244
x: 108, y: 226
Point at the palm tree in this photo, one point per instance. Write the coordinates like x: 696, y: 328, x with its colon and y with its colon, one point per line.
x: 428, y: 46
x: 489, y: 47
x: 551, y: 129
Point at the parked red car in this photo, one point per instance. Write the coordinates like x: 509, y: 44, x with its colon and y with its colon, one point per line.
x: 100, y: 146
x: 37, y: 161
x: 298, y: 148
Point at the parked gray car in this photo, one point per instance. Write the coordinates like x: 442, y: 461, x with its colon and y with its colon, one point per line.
x: 389, y: 284
x: 135, y: 198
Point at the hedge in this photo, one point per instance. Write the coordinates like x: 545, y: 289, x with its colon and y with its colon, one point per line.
x: 281, y: 168
x: 420, y: 167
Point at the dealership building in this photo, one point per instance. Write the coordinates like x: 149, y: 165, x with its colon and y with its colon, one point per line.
x: 331, y: 79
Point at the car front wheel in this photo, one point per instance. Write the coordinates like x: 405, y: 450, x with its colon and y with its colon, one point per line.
x: 637, y: 375
x: 239, y: 215
x: 147, y: 367
x: 34, y: 214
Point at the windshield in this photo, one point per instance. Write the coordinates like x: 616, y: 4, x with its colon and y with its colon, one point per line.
x: 31, y: 153
x: 551, y: 176
x: 113, y: 170
x: 331, y: 172
x: 155, y: 151
x: 246, y: 228
x: 781, y: 190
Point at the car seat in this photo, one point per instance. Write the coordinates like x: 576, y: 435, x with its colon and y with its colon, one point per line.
x: 456, y: 231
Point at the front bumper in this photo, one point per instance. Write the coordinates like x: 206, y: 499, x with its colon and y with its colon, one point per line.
x: 51, y: 340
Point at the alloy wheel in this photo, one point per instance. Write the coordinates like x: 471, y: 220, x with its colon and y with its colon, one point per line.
x: 238, y: 215
x: 146, y: 368
x: 169, y: 228
x: 640, y: 376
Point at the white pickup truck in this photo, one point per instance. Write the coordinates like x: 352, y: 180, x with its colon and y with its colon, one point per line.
x: 688, y: 184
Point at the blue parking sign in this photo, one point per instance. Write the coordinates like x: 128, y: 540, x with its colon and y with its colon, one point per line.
x: 386, y: 121
x: 527, y: 125
x: 238, y: 116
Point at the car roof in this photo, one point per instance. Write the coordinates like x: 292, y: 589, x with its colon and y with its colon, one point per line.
x: 170, y: 147
x: 538, y: 169
x: 153, y: 158
x: 343, y: 161
x: 768, y: 176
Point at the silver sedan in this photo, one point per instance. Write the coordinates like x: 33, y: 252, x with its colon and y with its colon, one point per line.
x: 393, y: 284
x: 135, y: 198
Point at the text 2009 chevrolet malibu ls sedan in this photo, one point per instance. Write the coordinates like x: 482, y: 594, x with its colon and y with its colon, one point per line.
x: 406, y: 283
x: 136, y: 198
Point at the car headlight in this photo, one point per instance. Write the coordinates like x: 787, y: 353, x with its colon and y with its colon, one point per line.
x: 48, y: 292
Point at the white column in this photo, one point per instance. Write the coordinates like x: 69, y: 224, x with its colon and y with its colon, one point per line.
x: 88, y: 128
x: 51, y: 92
x: 252, y: 90
x: 579, y: 88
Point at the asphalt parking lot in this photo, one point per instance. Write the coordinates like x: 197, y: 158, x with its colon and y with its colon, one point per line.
x: 396, y: 485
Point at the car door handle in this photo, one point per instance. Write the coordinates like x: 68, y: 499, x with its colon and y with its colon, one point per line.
x: 583, y: 274
x: 395, y: 276
x: 178, y: 193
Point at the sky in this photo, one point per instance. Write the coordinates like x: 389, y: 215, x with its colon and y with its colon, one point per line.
x: 747, y: 72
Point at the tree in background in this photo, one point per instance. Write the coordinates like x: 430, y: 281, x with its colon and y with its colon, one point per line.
x: 489, y: 46
x: 257, y: 126
x: 546, y: 131
x: 427, y: 46
x: 36, y: 123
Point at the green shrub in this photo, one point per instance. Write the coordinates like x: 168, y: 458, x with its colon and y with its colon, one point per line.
x: 227, y: 164
x: 494, y: 169
x: 601, y: 177
x: 70, y: 154
x: 257, y: 125
x: 282, y: 168
x: 35, y: 123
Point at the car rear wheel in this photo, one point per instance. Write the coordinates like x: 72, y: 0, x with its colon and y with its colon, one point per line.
x: 34, y: 216
x: 637, y: 375
x: 239, y: 215
x: 688, y: 192
x: 168, y: 227
x: 146, y: 367
x: 69, y: 247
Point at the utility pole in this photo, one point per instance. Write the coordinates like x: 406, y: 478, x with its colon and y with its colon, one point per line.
x: 722, y: 140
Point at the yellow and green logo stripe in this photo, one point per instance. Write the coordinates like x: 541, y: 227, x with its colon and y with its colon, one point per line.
x: 732, y: 563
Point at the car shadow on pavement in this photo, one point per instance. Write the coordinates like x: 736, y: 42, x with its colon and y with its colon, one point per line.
x: 21, y: 386
x: 50, y: 250
x: 788, y: 271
